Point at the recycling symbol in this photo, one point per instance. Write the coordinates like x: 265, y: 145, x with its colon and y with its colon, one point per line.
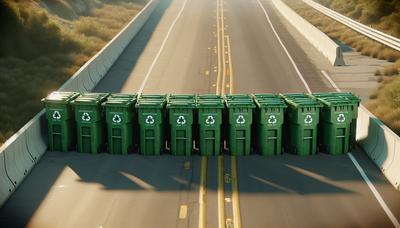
x: 149, y: 119
x: 86, y: 117
x: 181, y: 120
x: 272, y: 119
x: 308, y: 119
x: 240, y: 119
x: 210, y: 120
x: 117, y: 118
x: 56, y: 115
x: 341, y: 118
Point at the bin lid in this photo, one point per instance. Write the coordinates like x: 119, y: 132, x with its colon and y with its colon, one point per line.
x: 118, y: 100
x: 238, y: 97
x: 181, y: 104
x: 240, y: 103
x: 268, y: 99
x: 273, y: 101
x: 151, y: 102
x: 122, y: 96
x: 91, y: 99
x: 335, y: 101
x: 208, y: 96
x: 152, y: 96
x: 296, y: 100
x: 181, y: 100
x: 351, y: 96
x: 210, y: 104
x: 181, y: 97
x: 58, y: 97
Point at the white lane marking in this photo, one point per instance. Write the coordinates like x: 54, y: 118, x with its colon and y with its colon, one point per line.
x: 284, y: 48
x: 161, y: 48
x: 330, y: 81
x: 141, y: 183
x: 360, y: 170
x: 375, y: 192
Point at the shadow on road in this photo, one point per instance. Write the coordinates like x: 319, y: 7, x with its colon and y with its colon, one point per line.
x: 118, y: 74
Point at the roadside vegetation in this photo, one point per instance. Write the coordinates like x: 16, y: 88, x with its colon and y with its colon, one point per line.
x: 383, y: 15
x: 44, y: 42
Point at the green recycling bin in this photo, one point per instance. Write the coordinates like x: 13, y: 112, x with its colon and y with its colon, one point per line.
x: 60, y: 120
x: 301, y: 121
x: 209, y: 113
x: 240, y: 117
x: 151, y: 118
x: 355, y: 100
x: 180, y: 114
x: 335, y: 119
x: 89, y: 117
x: 269, y: 118
x: 121, y: 120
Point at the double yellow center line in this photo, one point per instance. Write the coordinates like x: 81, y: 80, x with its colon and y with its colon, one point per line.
x: 224, y: 73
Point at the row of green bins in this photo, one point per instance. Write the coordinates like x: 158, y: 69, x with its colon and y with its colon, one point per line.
x: 61, y: 122
x: 209, y: 113
x: 268, y: 121
x: 151, y: 116
x: 301, y: 121
x: 89, y: 117
x: 181, y: 114
x: 336, y: 118
x: 240, y: 117
x: 121, y: 125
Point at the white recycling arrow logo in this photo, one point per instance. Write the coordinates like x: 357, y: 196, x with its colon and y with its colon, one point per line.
x: 210, y: 120
x: 341, y: 118
x: 308, y: 119
x: 149, y: 119
x: 240, y: 119
x: 272, y: 119
x: 56, y: 115
x: 86, y: 117
x: 117, y: 118
x: 181, y: 120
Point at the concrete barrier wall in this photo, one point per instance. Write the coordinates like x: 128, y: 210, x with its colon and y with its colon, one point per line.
x: 381, y: 144
x: 317, y: 38
x: 19, y: 154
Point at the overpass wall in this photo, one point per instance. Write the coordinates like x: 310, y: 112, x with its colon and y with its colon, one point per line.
x: 318, y: 39
x: 23, y: 150
x: 381, y: 144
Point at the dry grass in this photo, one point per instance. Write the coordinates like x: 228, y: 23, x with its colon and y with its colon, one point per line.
x: 386, y: 103
x: 39, y: 51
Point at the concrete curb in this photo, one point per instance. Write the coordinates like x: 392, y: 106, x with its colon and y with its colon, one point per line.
x: 381, y: 144
x: 317, y: 38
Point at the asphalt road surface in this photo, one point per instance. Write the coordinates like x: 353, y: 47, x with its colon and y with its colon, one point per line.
x: 205, y: 46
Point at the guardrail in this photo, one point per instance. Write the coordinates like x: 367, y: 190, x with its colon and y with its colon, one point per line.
x: 374, y: 34
x: 318, y: 39
x: 23, y: 150
x: 381, y: 144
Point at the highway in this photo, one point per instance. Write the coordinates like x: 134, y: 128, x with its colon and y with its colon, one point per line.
x: 206, y: 46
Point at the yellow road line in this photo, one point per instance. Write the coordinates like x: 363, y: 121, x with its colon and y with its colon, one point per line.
x: 183, y: 212
x: 237, y: 220
x: 202, y: 193
x: 221, y: 203
x: 228, y: 42
x: 218, y: 53
x: 223, y: 48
